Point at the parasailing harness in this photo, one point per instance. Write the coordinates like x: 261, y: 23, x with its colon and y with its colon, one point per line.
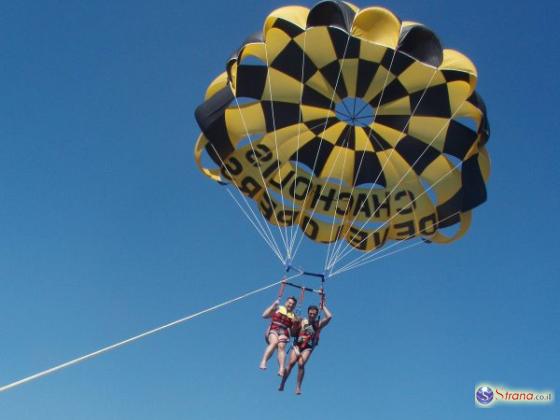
x: 314, y: 338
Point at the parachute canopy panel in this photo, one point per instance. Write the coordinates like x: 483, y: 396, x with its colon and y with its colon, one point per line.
x: 351, y: 124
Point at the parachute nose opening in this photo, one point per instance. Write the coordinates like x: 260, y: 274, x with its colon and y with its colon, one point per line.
x: 354, y: 111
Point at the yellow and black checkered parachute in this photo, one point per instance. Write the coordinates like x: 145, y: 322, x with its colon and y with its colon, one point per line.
x: 351, y: 124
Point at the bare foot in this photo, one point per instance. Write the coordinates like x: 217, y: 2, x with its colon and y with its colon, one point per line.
x: 298, y: 391
x: 281, y: 372
x: 262, y: 366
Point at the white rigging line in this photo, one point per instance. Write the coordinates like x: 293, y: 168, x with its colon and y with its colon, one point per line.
x: 295, y: 226
x: 320, y: 144
x: 350, y: 128
x: 138, y: 337
x: 320, y: 192
x: 343, y: 247
x: 387, y: 221
x: 370, y: 257
x: 343, y: 269
x: 343, y: 254
x: 366, y: 258
x: 270, y: 241
x: 260, y: 170
x: 275, y: 250
x: 335, y: 247
x: 269, y: 79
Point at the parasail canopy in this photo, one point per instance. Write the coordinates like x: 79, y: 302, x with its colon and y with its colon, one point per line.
x: 350, y: 124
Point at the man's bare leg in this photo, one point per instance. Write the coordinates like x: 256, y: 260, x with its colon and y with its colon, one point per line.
x: 272, y: 344
x: 302, y: 360
x: 291, y: 364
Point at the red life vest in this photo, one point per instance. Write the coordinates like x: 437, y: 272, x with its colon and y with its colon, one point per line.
x: 282, y: 319
x: 308, y: 336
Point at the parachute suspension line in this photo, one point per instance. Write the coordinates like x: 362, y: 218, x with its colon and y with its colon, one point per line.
x: 323, y: 187
x: 365, y: 258
x: 453, y: 168
x: 259, y: 168
x: 353, y: 266
x: 336, y: 246
x: 271, y: 245
x: 344, y: 247
x: 269, y: 80
x: 320, y: 144
x: 343, y: 250
x: 293, y: 229
x: 337, y: 197
x: 369, y: 257
x: 319, y: 148
x: 348, y: 24
x: 270, y: 241
x: 301, y: 299
x: 139, y: 336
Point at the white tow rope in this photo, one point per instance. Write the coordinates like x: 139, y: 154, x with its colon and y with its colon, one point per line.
x: 137, y: 337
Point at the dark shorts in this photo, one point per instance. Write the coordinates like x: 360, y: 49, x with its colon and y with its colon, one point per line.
x: 299, y: 350
x: 305, y: 346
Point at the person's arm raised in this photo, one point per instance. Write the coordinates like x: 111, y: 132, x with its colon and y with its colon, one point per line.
x: 268, y: 312
x: 328, y: 316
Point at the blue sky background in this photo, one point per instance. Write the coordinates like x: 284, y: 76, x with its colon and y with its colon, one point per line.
x: 107, y: 229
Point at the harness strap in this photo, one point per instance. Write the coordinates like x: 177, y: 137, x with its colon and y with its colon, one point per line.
x: 321, y: 305
x: 316, y: 336
x: 282, y: 288
x: 301, y: 295
x: 322, y: 299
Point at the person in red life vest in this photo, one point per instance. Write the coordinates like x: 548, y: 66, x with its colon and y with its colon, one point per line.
x: 279, y: 331
x: 307, y: 338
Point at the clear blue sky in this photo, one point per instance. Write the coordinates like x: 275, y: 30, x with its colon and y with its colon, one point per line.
x: 107, y: 229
